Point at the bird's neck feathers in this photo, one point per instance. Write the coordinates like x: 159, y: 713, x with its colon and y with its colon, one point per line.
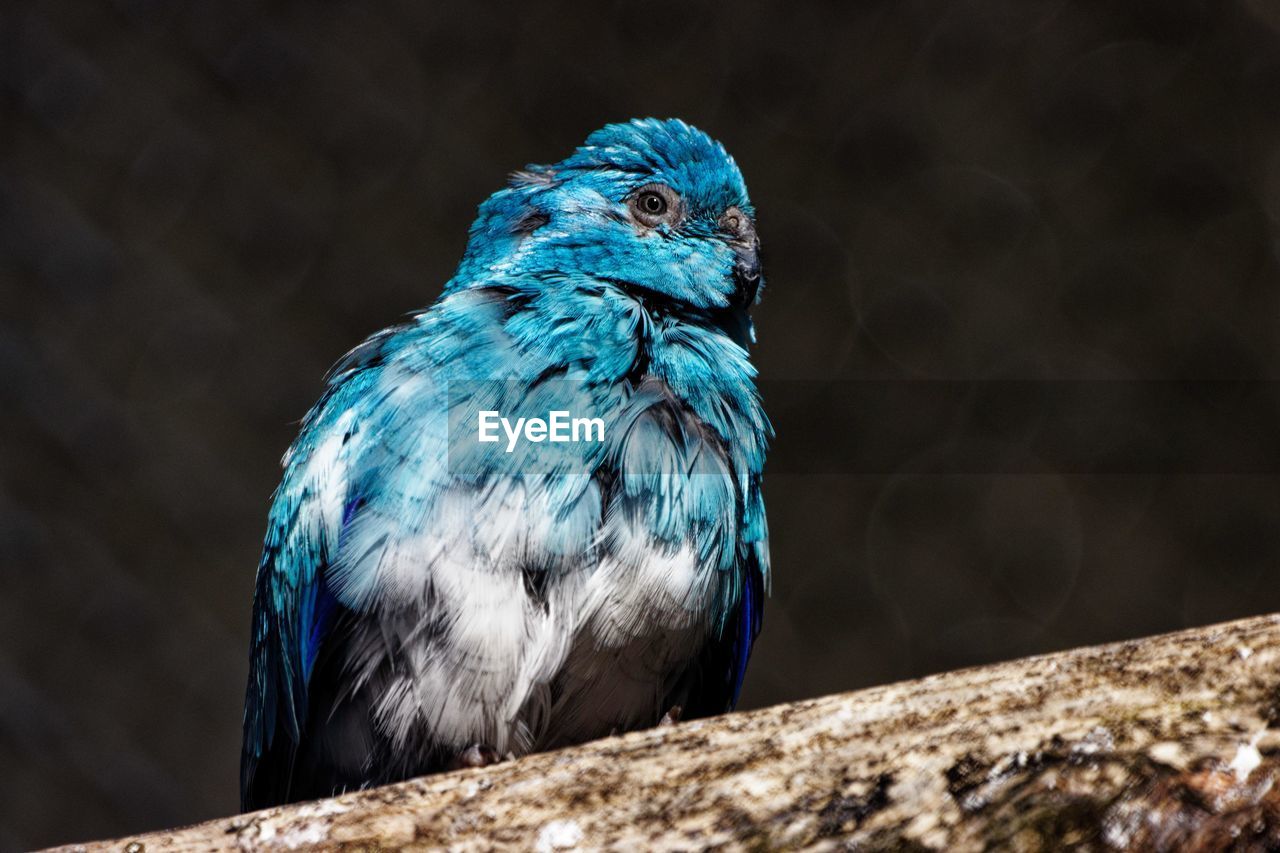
x: 595, y: 333
x: 611, y: 333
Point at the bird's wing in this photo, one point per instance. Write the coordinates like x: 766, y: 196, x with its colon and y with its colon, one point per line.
x: 371, y: 522
x: 293, y: 605
x: 713, y: 681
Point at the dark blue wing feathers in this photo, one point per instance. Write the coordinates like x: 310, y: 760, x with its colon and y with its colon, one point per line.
x: 749, y: 613
x: 713, y: 682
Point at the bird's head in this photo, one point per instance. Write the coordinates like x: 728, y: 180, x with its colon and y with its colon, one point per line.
x: 656, y: 208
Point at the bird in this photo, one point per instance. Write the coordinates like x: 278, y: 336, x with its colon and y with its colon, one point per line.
x: 426, y: 600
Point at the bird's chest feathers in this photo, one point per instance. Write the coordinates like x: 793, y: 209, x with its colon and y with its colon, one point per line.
x: 686, y: 433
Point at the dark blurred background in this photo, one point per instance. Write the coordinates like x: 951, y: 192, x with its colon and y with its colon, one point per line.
x: 1007, y: 219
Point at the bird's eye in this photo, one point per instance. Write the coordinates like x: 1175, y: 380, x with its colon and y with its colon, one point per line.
x: 654, y: 204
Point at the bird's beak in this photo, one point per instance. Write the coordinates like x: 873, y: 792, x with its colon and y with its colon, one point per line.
x: 746, y: 272
x: 741, y: 232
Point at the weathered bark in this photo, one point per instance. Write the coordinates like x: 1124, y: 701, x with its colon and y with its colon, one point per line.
x: 1158, y: 744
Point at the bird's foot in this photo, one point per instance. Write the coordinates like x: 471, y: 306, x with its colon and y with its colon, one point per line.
x: 476, y: 755
x: 672, y: 716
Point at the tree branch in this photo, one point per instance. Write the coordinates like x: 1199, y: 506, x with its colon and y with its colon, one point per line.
x: 1157, y: 744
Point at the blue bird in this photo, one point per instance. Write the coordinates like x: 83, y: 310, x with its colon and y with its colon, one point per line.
x: 427, y: 599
